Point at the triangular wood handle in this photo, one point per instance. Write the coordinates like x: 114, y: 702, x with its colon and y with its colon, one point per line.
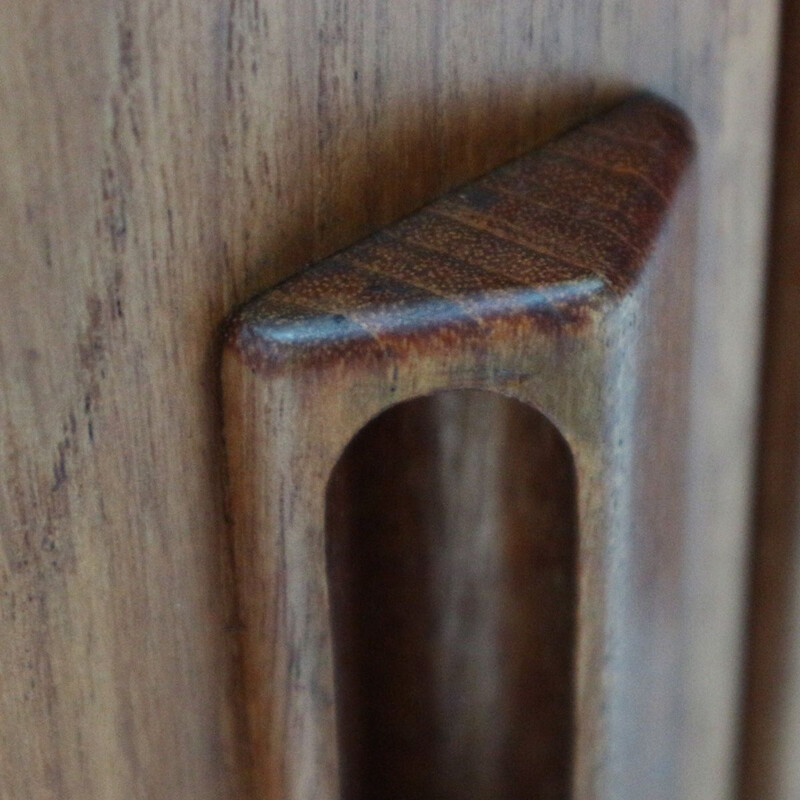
x: 562, y: 280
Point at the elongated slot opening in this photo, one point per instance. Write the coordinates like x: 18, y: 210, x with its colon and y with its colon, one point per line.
x: 452, y: 565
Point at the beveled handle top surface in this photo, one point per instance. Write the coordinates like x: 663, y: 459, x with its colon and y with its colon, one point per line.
x: 545, y: 237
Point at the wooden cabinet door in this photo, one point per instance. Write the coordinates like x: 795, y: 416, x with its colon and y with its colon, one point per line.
x: 160, y: 161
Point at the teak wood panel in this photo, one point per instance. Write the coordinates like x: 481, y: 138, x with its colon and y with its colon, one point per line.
x: 163, y: 159
x: 563, y: 280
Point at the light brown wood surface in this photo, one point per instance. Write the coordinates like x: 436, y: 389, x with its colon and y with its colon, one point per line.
x: 160, y: 161
x: 771, y: 741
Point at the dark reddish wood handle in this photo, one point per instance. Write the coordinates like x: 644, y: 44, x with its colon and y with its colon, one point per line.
x: 561, y: 280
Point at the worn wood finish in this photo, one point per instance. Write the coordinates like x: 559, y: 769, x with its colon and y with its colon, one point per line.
x: 561, y: 280
x: 160, y: 160
x: 771, y: 757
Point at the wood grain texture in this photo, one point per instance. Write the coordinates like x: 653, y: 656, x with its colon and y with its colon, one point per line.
x: 544, y: 241
x: 771, y: 754
x: 561, y: 280
x: 160, y: 160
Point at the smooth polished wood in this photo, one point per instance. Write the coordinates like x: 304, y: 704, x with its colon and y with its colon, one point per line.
x: 562, y: 280
x: 771, y: 743
x: 160, y: 160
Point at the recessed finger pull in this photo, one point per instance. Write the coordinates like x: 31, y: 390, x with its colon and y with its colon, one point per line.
x: 456, y: 464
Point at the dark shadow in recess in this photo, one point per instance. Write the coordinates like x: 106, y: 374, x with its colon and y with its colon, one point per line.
x: 452, y: 560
